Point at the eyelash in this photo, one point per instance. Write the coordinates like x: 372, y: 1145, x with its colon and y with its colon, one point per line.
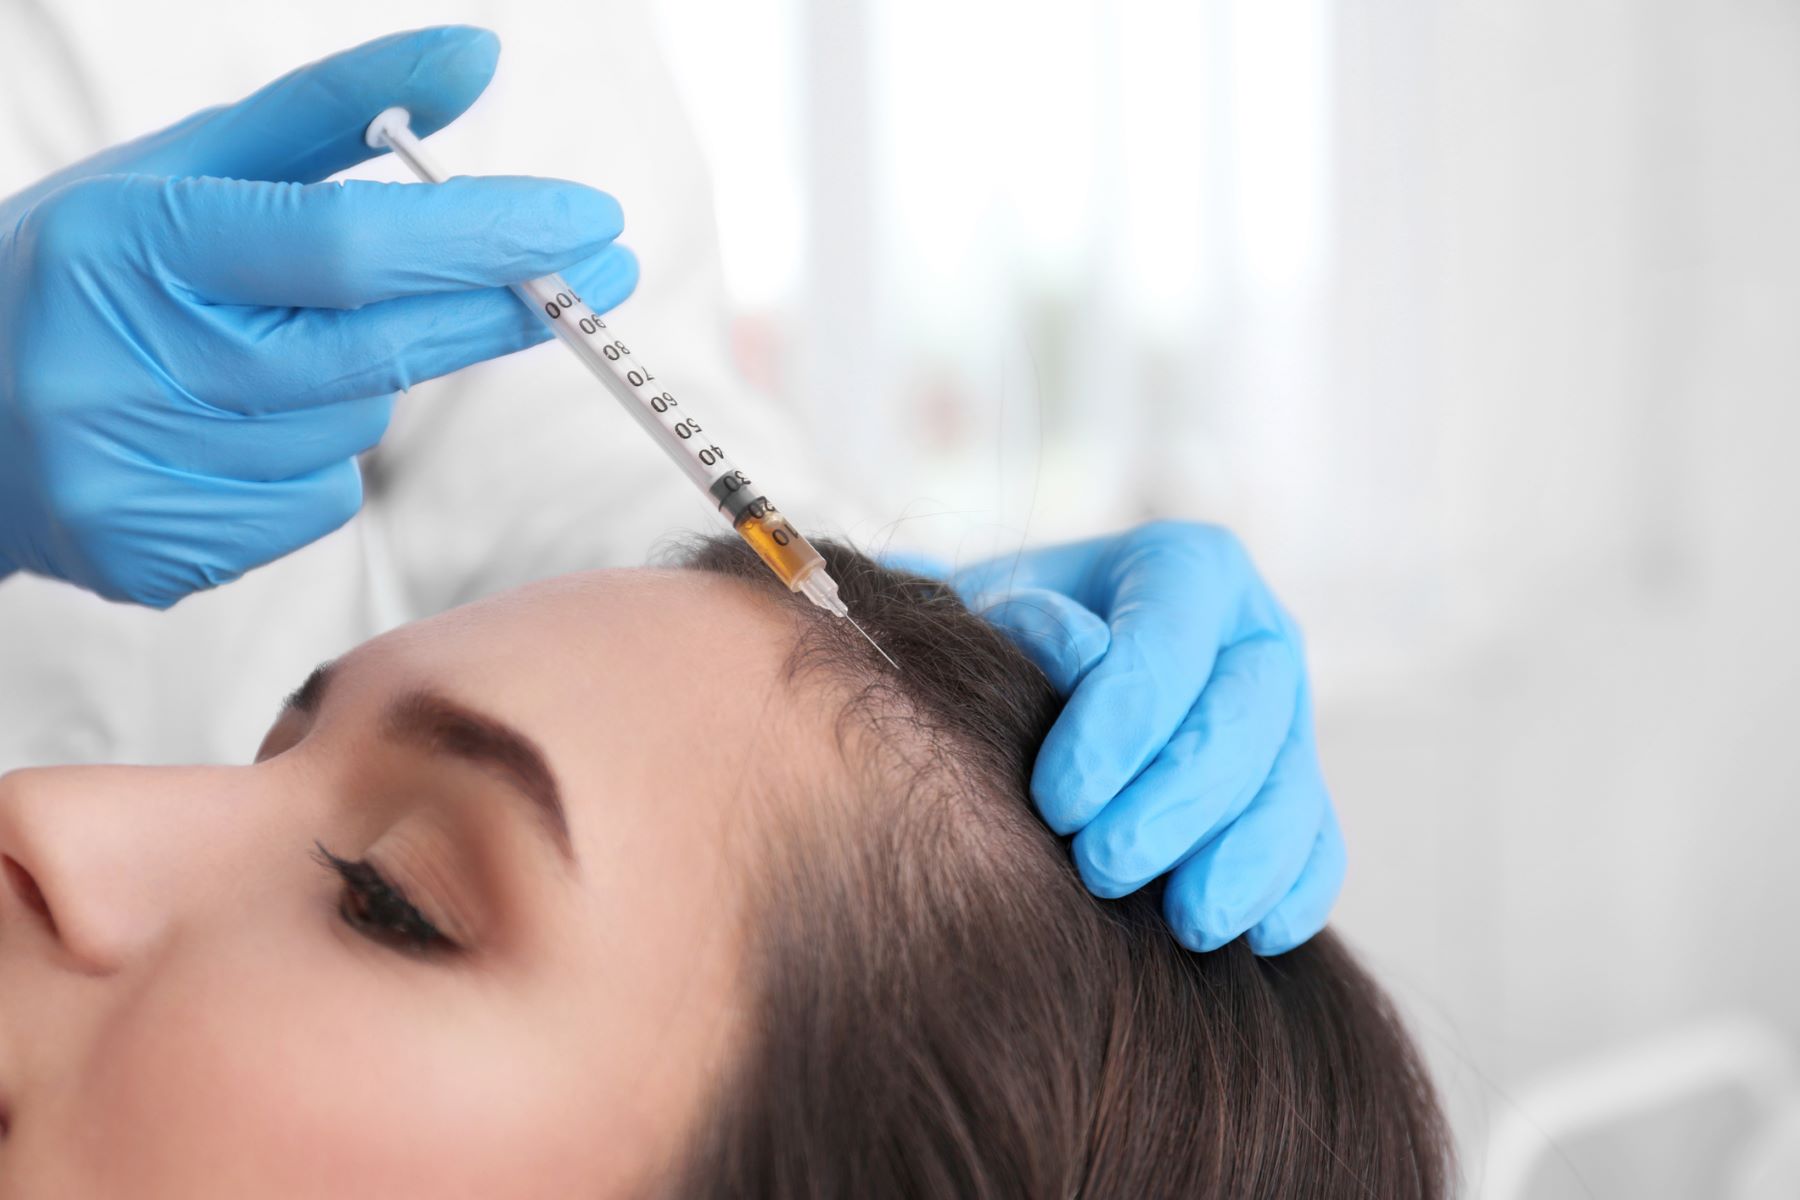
x: 379, y: 910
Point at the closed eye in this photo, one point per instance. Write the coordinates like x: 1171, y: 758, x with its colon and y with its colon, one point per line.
x: 379, y: 910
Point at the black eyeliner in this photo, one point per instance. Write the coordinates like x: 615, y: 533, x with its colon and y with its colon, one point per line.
x: 380, y: 911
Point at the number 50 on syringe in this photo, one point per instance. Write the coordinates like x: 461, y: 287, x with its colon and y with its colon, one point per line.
x: 580, y: 328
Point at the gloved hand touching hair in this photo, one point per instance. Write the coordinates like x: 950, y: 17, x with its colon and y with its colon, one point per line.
x: 197, y: 336
x: 1186, y: 744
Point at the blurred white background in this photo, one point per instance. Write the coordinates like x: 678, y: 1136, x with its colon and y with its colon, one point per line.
x: 1480, y: 322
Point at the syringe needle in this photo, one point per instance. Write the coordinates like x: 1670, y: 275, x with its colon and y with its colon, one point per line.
x: 872, y: 642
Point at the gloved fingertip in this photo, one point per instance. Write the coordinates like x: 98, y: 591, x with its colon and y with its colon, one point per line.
x: 1194, y: 930
x: 435, y: 73
x: 458, y: 66
x: 586, y: 215
x: 158, y: 586
x: 1097, y: 879
x: 1118, y: 856
x: 1201, y: 918
x: 1073, y: 779
x: 473, y: 49
x: 1062, y: 637
x: 1304, y: 911
x: 1272, y: 936
x: 372, y: 421
x: 1089, y: 640
x: 550, y: 225
x: 1059, y: 810
x: 606, y: 279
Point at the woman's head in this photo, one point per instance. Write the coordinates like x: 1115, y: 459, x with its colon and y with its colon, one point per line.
x: 184, y: 1011
x: 942, y: 1009
x: 794, y: 931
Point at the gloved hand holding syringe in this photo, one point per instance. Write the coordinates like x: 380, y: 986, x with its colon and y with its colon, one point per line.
x: 670, y: 426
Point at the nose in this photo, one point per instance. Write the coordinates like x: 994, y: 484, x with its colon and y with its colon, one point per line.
x: 27, y: 890
x: 101, y: 863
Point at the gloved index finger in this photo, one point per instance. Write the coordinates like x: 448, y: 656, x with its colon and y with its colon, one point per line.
x: 310, y: 123
x: 1063, y: 638
x: 1103, y: 573
x: 1173, y: 597
x: 1074, y: 569
x: 347, y: 245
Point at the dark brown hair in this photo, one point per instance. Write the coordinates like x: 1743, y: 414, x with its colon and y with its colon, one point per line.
x: 941, y: 1009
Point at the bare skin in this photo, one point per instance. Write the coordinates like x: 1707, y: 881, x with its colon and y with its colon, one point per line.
x: 185, y: 1011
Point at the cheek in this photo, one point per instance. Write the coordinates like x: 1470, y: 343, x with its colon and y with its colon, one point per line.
x: 323, y: 1072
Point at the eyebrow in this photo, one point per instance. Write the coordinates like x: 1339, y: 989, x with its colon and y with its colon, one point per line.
x: 436, y: 724
x: 307, y: 697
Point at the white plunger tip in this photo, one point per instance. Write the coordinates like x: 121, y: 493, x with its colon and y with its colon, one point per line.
x: 390, y: 120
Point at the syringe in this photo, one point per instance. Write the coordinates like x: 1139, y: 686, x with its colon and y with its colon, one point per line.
x: 670, y: 425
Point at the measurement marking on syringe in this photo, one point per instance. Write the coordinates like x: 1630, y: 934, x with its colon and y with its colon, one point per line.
x: 726, y: 485
x: 780, y: 546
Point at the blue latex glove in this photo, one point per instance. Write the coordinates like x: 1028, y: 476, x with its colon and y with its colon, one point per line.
x: 1186, y: 745
x: 197, y: 337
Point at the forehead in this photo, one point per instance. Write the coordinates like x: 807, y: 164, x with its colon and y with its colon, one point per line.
x: 684, y: 640
x: 655, y: 695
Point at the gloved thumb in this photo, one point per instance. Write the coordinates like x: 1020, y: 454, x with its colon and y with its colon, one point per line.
x: 1063, y: 638
x: 309, y: 123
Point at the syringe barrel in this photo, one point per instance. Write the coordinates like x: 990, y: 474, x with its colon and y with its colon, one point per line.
x: 608, y: 359
x: 654, y: 407
x: 674, y: 428
x: 789, y: 555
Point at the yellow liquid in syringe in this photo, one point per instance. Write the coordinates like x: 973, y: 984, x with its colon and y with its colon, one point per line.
x: 779, y: 545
